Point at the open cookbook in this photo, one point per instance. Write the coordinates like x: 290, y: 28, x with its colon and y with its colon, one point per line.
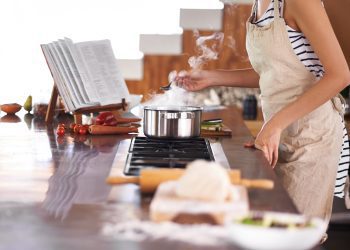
x: 86, y: 73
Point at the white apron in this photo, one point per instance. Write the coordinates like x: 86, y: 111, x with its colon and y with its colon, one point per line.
x: 310, y: 147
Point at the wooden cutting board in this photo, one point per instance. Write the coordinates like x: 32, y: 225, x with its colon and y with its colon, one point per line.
x: 225, y: 131
x: 166, y: 206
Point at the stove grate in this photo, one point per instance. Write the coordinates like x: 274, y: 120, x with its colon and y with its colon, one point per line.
x: 161, y: 153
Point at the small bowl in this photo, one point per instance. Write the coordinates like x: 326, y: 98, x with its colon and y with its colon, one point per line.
x: 260, y: 237
x: 11, y: 108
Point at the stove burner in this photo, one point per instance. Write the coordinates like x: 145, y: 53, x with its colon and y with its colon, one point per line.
x: 161, y: 153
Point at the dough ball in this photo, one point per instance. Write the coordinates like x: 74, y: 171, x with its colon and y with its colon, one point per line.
x: 204, y: 180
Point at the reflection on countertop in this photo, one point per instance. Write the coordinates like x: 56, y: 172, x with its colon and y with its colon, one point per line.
x: 10, y: 118
x: 57, y: 172
x: 78, y: 178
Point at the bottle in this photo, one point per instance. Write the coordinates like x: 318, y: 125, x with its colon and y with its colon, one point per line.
x: 40, y: 104
x: 250, y: 107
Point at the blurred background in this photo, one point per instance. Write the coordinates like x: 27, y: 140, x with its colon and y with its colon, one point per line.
x: 150, y: 39
x: 27, y: 24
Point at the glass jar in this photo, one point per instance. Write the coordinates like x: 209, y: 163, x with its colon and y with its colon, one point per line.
x: 40, y: 110
x: 250, y: 108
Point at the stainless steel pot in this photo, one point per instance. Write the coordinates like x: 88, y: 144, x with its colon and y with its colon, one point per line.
x: 172, y: 122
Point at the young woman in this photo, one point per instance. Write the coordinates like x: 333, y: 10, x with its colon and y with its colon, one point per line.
x: 303, y: 133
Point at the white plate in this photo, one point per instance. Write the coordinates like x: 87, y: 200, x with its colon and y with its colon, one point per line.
x: 265, y: 238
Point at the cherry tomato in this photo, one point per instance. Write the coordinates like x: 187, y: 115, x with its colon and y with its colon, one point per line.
x: 60, y: 131
x: 98, y: 121
x: 61, y: 125
x: 83, y: 131
x: 103, y: 117
x: 71, y: 126
x: 82, y: 138
x: 60, y: 140
x: 77, y: 128
x: 112, y: 122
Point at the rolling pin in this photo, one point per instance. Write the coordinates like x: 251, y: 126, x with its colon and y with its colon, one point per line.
x: 106, y: 130
x: 149, y: 179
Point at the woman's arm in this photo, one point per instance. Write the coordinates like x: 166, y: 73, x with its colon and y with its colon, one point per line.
x: 200, y: 79
x: 312, y: 20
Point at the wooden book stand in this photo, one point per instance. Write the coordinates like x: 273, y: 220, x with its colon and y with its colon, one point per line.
x: 79, y: 112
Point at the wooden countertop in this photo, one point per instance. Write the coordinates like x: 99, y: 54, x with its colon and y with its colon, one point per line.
x: 53, y: 193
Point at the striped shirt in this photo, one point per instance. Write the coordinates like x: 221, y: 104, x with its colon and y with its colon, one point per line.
x: 308, y: 57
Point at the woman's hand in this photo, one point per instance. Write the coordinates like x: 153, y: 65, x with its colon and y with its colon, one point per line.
x: 194, y: 80
x: 268, y: 141
x: 200, y: 79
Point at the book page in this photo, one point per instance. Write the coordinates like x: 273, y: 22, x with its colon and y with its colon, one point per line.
x: 67, y: 76
x: 73, y: 72
x: 89, y: 86
x: 57, y: 77
x: 105, y: 75
x: 64, y: 80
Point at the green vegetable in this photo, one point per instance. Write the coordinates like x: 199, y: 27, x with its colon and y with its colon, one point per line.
x: 212, y: 127
x: 28, y: 105
x: 269, y: 222
x: 251, y: 221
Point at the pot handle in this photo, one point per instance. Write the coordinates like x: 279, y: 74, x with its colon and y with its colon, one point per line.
x: 177, y: 115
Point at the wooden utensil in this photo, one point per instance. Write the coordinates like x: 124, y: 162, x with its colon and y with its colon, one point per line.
x: 149, y: 179
x: 104, y: 130
x: 225, y: 131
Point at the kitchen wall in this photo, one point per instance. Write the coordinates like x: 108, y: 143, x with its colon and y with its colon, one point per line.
x: 232, y: 56
x: 338, y: 12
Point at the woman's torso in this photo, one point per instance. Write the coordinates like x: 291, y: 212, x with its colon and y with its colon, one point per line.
x: 306, y: 55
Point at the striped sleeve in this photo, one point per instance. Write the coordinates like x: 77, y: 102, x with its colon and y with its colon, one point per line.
x: 343, y: 166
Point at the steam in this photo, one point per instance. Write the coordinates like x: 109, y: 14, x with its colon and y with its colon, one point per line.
x: 207, y: 52
x: 176, y: 96
x: 207, y: 48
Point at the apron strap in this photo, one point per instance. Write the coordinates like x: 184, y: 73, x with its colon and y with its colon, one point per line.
x: 276, y: 9
x: 282, y: 8
x: 253, y: 12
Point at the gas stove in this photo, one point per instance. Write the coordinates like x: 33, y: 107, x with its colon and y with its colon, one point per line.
x: 142, y: 152
x: 160, y: 153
